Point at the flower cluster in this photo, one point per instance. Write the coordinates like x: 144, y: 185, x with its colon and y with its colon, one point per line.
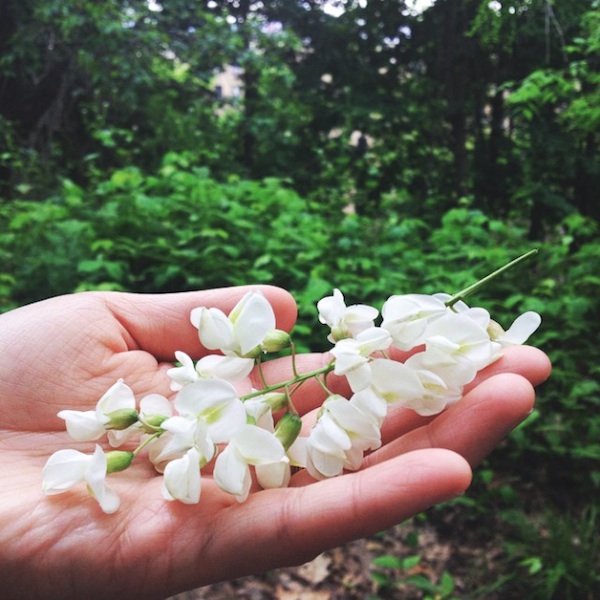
x: 444, y: 344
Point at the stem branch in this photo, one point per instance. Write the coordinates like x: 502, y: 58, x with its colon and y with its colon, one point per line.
x: 475, y: 286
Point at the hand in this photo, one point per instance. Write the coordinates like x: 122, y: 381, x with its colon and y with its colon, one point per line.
x: 66, y: 352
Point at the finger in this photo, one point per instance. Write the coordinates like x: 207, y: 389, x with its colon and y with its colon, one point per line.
x: 291, y: 526
x: 527, y: 361
x: 160, y: 323
x: 473, y: 426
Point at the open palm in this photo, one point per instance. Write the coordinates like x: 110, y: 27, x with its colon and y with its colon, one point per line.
x: 67, y: 351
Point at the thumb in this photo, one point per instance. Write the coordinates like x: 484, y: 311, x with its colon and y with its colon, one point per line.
x: 160, y: 323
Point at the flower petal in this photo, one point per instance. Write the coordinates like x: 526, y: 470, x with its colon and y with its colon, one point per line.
x: 251, y: 322
x: 522, y: 327
x: 257, y: 446
x: 274, y: 475
x: 82, y: 426
x: 229, y: 368
x: 182, y: 479
x: 231, y: 472
x: 63, y: 470
x: 394, y: 381
x: 118, y: 397
x: 214, y: 328
x: 331, y: 308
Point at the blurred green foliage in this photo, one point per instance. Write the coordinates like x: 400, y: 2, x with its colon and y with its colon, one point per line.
x: 180, y: 229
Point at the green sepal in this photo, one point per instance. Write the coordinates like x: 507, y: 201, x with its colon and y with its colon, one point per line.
x: 276, y: 340
x: 118, y: 460
x: 288, y: 428
x: 152, y: 423
x: 122, y: 418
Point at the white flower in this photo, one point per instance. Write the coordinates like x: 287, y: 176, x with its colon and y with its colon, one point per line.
x: 370, y: 404
x: 66, y: 468
x: 181, y: 434
x: 458, y: 346
x: 182, y: 480
x: 117, y: 404
x: 154, y: 408
x: 411, y: 385
x: 229, y: 368
x: 407, y: 317
x: 260, y: 409
x: 344, y: 321
x: 184, y: 374
x: 519, y: 332
x: 340, y: 437
x: 83, y: 426
x: 240, y: 333
x: 436, y: 393
x: 250, y: 445
x: 260, y: 413
x: 215, y: 402
x: 274, y: 475
x: 352, y: 356
x: 395, y: 382
x: 209, y: 413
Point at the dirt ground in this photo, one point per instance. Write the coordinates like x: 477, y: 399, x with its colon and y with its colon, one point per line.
x: 346, y: 573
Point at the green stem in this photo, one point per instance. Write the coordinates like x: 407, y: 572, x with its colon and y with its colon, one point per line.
x: 294, y: 368
x: 261, y: 373
x: 300, y: 378
x: 147, y: 441
x: 475, y: 286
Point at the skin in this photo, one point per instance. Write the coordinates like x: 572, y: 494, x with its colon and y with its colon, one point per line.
x: 67, y: 351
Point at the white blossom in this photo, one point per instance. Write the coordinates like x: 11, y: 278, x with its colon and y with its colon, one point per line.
x: 370, y: 404
x: 459, y: 346
x: 184, y: 374
x: 153, y: 407
x: 229, y: 368
x: 181, y: 434
x: 408, y: 316
x: 436, y: 393
x: 260, y: 408
x: 339, y: 438
x: 66, y: 468
x: 208, y: 421
x: 250, y: 445
x: 344, y: 321
x: 209, y: 413
x: 182, y: 479
x: 216, y: 403
x: 395, y: 382
x: 353, y: 356
x: 212, y: 366
x: 518, y: 333
x: 85, y: 426
x: 242, y: 332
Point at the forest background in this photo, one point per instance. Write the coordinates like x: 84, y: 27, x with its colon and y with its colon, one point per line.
x: 371, y: 147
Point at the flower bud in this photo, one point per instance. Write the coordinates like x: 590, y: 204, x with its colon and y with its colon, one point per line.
x: 121, y: 418
x: 276, y: 340
x: 118, y: 460
x: 275, y: 400
x: 153, y: 422
x: 288, y: 429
